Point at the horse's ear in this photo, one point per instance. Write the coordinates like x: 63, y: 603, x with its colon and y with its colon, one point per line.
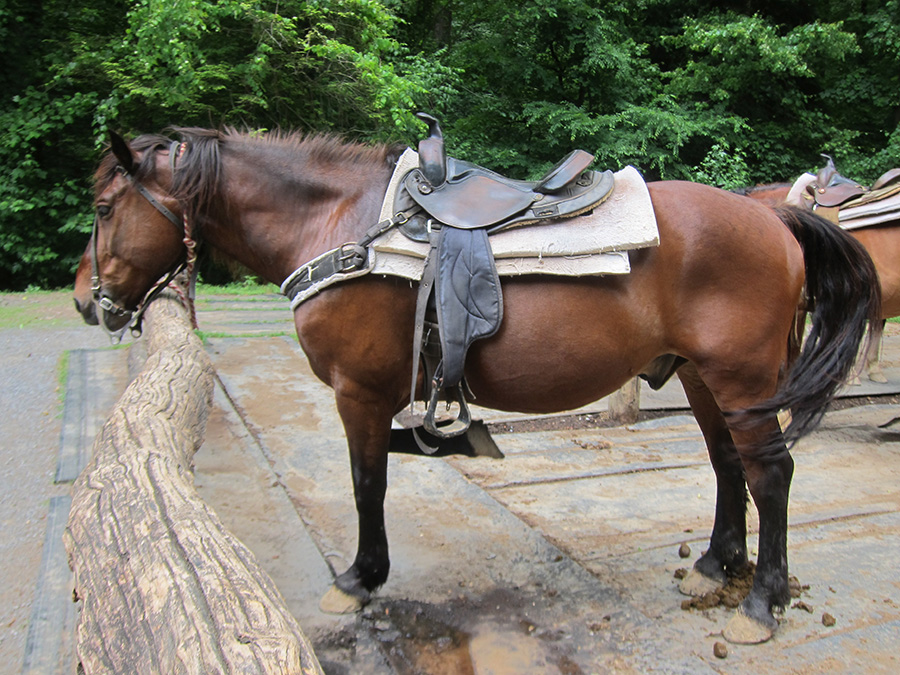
x: 122, y: 152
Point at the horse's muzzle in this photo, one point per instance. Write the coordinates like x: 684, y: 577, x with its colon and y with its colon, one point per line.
x: 88, y: 312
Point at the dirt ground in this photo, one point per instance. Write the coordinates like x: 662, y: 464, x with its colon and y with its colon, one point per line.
x: 36, y: 333
x: 562, y: 557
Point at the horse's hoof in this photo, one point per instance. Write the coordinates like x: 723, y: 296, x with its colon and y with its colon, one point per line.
x: 878, y: 377
x: 743, y: 630
x: 336, y: 601
x: 696, y: 584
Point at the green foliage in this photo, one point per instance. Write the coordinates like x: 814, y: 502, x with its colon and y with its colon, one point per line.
x: 84, y: 67
x: 318, y: 65
x: 726, y: 92
x: 724, y: 168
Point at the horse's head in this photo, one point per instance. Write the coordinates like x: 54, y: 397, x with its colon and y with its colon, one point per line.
x: 137, y: 236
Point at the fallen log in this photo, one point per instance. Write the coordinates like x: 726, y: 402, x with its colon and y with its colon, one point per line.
x: 164, y: 587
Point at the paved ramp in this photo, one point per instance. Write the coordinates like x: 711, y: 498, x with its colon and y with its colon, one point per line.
x: 558, y: 558
x: 563, y: 554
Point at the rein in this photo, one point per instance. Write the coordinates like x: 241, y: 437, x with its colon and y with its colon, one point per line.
x: 184, y: 229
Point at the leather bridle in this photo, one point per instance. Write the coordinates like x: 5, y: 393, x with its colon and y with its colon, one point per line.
x: 103, y: 301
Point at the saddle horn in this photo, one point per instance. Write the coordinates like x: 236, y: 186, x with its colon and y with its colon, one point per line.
x: 828, y: 175
x: 432, y: 156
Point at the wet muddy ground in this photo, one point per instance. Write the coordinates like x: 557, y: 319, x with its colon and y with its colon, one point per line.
x: 563, y: 556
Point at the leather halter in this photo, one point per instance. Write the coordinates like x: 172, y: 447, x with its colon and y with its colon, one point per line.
x: 103, y: 301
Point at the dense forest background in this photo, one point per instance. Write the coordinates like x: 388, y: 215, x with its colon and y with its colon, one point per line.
x: 731, y: 92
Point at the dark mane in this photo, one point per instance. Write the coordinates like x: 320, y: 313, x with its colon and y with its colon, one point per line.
x: 325, y: 148
x: 197, y: 178
x: 145, y: 146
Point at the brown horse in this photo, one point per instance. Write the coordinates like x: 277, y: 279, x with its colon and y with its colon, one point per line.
x: 882, y: 242
x: 717, y: 297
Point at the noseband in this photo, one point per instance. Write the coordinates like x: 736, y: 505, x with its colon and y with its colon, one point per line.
x: 137, y: 314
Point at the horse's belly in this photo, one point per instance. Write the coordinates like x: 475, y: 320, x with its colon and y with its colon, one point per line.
x: 539, y: 394
x: 560, y: 347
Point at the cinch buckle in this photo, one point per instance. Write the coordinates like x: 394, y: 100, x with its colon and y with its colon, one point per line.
x: 351, y: 257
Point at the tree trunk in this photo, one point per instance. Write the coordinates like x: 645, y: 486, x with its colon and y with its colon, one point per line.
x: 165, y: 587
x: 625, y: 404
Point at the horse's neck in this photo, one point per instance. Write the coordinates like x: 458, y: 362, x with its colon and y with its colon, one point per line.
x: 277, y: 222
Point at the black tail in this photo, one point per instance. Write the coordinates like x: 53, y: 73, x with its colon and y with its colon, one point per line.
x: 843, y: 295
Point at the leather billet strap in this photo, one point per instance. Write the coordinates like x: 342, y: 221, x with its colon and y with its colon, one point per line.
x: 339, y: 264
x: 426, y: 287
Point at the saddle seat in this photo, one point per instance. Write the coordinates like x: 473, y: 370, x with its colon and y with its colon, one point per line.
x: 466, y: 196
x: 473, y: 197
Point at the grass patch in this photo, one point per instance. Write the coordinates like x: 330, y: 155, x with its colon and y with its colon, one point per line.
x: 236, y: 288
x: 62, y: 378
x: 13, y: 317
x: 205, y: 336
x: 36, y: 308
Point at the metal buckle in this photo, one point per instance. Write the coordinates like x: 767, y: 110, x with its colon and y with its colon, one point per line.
x: 351, y: 258
x: 110, y: 307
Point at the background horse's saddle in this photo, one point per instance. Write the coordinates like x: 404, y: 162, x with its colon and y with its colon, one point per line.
x: 831, y: 189
x: 457, y: 204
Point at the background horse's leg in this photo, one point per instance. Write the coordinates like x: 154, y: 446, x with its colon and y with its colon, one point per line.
x: 367, y: 422
x: 727, y: 552
x: 874, y: 350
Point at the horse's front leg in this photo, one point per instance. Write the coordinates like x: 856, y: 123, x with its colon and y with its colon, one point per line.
x: 367, y: 421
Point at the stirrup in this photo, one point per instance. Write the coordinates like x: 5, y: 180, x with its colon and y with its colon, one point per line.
x: 456, y: 427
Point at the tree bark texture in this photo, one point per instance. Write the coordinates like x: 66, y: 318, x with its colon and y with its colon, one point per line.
x: 625, y: 403
x: 165, y: 588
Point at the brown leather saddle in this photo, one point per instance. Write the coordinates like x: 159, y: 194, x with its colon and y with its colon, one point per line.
x: 832, y: 190
x: 459, y: 205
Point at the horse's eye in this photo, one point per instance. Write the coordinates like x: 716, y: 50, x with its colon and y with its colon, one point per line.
x: 103, y: 210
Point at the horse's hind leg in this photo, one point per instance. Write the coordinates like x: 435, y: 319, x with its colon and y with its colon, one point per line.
x: 747, y: 452
x: 727, y: 553
x: 768, y: 468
